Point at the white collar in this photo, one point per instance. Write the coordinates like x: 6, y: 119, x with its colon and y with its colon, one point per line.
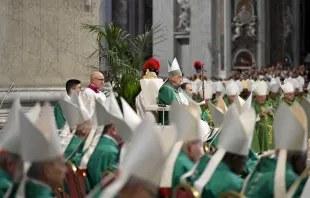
x: 67, y: 98
x: 111, y: 138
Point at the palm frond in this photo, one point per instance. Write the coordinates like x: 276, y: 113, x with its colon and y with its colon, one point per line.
x: 124, y: 55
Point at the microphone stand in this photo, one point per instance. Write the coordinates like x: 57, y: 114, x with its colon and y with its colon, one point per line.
x: 7, y: 93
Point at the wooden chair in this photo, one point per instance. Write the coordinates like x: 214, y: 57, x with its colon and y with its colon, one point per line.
x: 232, y: 194
x: 75, y: 181
x: 186, y: 191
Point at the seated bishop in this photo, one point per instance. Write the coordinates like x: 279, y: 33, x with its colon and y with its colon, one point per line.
x: 80, y: 123
x: 11, y: 163
x: 170, y: 91
x: 229, y: 159
x: 41, y: 147
x: 140, y: 172
x: 273, y: 177
x: 104, y: 152
x: 232, y: 90
x: 188, y: 150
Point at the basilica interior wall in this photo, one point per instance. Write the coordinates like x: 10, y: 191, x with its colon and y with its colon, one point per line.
x: 42, y: 43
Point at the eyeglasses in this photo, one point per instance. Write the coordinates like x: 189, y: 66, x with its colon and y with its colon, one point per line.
x: 100, y: 79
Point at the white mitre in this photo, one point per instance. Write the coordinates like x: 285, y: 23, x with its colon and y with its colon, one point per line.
x: 234, y: 138
x: 74, y: 110
x: 144, y: 160
x: 40, y: 139
x: 288, y: 119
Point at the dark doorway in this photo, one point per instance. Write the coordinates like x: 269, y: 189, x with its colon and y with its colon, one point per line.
x: 304, y: 29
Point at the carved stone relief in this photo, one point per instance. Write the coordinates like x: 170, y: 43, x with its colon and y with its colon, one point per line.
x: 183, y: 24
x: 244, y: 22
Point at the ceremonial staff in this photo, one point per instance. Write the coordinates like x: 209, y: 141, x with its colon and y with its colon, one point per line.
x: 203, y: 82
x: 7, y: 93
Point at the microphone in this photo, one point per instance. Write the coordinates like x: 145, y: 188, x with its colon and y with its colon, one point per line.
x: 7, y: 93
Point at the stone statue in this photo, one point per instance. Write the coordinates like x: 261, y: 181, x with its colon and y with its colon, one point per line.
x: 288, y: 22
x: 184, y: 17
x: 244, y: 15
x: 251, y: 28
x: 238, y: 28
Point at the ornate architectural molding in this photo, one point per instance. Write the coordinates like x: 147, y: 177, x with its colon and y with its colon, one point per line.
x: 245, y: 22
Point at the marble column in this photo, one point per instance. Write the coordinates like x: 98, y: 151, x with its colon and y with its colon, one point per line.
x: 296, y: 32
x: 105, y: 16
x: 163, y: 12
x: 227, y: 37
x: 261, y: 43
x: 201, y: 44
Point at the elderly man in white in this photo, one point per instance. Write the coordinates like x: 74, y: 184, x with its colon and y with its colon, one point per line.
x: 92, y: 92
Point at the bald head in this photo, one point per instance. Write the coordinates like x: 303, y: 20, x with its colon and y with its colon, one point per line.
x: 97, y: 79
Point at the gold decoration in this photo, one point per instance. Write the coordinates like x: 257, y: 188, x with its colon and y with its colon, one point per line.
x: 149, y: 75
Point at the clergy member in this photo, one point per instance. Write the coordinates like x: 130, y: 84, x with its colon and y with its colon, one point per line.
x: 72, y: 85
x: 263, y: 136
x: 141, y: 170
x: 288, y: 93
x: 206, y: 95
x: 92, y: 92
x: 218, y: 174
x: 232, y: 90
x: 79, y: 121
x: 11, y: 164
x: 170, y: 92
x: 41, y: 147
x: 186, y: 152
x: 272, y: 177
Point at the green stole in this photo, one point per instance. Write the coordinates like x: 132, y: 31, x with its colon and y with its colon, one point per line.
x: 206, y: 115
x: 223, y: 179
x: 36, y: 189
x: 181, y: 166
x: 261, y: 183
x: 263, y: 134
x: 59, y: 116
x: 5, y: 182
x: 226, y: 100
x: 105, y: 157
x: 166, y: 95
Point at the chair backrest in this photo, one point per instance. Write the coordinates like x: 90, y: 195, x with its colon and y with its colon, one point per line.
x: 186, y: 191
x: 150, y: 88
x: 231, y: 194
x: 73, y: 181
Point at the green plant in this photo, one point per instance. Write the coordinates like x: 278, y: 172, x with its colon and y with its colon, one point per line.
x: 124, y: 55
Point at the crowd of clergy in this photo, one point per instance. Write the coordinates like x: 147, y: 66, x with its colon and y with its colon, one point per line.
x: 185, y: 138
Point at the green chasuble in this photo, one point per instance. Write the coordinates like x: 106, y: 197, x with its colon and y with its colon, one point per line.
x: 166, y: 95
x: 226, y: 100
x: 263, y: 135
x: 261, y: 183
x: 250, y: 164
x: 36, y: 189
x: 105, y: 157
x: 59, y: 116
x: 206, y: 115
x: 77, y: 156
x: 222, y: 180
x: 182, y: 165
x: 276, y: 102
x: 289, y: 103
x: 5, y: 182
